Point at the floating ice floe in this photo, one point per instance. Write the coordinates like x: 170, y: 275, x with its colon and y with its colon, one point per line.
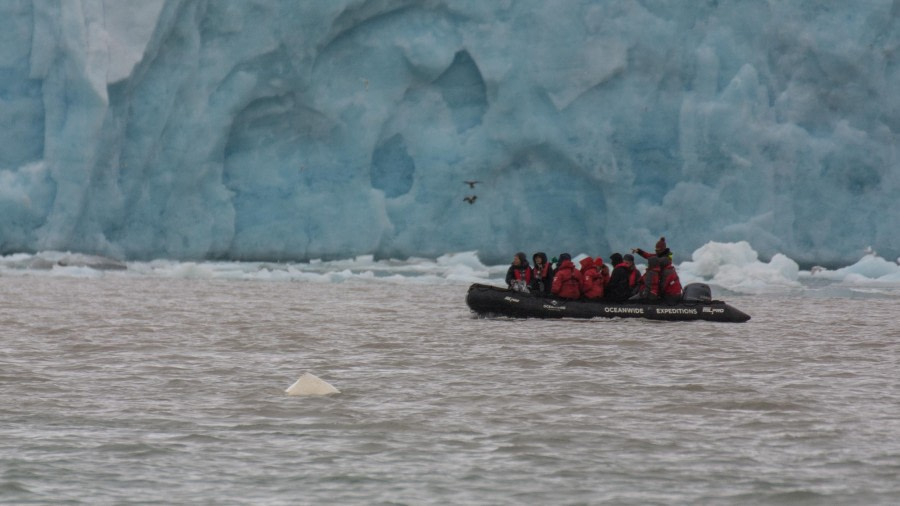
x: 869, y: 269
x: 310, y: 384
x: 737, y: 267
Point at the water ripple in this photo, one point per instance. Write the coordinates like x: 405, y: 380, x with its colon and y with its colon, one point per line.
x: 172, y: 391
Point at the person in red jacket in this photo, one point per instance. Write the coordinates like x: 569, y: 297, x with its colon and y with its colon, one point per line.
x: 649, y: 284
x: 669, y: 283
x: 567, y: 280
x: 661, y: 250
x: 518, y: 276
x: 603, y: 269
x: 591, y: 280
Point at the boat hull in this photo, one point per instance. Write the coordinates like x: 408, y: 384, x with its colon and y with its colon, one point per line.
x: 489, y: 300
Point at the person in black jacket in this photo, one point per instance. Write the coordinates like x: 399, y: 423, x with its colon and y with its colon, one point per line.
x: 541, y: 273
x: 615, y: 259
x: 518, y: 276
x: 623, y: 280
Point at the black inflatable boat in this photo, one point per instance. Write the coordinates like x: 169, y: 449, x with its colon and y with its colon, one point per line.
x: 696, y: 304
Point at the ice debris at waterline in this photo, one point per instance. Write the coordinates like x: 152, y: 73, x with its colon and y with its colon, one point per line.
x: 49, y: 260
x: 284, y: 131
x: 735, y: 267
x: 310, y: 384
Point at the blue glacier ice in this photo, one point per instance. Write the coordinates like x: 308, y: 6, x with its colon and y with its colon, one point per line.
x: 284, y: 130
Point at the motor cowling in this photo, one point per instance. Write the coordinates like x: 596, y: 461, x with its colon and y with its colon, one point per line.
x: 697, y: 292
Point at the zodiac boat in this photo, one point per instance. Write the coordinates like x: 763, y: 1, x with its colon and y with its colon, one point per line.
x: 696, y: 304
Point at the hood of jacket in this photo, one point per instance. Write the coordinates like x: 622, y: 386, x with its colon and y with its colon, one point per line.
x: 566, y: 264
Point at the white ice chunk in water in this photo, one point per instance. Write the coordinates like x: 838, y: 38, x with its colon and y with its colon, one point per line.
x: 310, y: 384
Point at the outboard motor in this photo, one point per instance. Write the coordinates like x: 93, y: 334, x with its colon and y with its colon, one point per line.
x: 696, y: 292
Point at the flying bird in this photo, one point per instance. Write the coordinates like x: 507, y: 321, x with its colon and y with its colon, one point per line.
x: 471, y: 183
x: 470, y: 199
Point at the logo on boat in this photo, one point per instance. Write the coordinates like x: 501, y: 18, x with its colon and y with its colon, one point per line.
x: 628, y: 310
x: 554, y: 307
x: 713, y: 310
x: 675, y: 310
x: 510, y: 299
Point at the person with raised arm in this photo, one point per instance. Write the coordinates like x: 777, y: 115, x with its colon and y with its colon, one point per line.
x: 661, y: 250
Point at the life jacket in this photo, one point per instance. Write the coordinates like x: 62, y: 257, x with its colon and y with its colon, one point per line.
x: 669, y: 283
x: 650, y: 283
x: 538, y: 278
x: 567, y: 281
x: 603, y: 269
x: 521, y: 279
x: 633, y: 274
x: 523, y: 274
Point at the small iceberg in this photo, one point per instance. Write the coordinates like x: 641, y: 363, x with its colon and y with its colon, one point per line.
x: 309, y: 384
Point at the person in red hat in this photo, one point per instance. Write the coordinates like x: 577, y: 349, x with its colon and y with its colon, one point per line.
x: 661, y: 250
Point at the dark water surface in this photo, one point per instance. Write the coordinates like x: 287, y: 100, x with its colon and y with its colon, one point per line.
x: 171, y: 391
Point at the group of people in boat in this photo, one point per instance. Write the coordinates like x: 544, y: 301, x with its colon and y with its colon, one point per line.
x: 593, y: 280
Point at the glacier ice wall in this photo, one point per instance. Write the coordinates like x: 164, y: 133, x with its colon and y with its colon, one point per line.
x: 266, y: 129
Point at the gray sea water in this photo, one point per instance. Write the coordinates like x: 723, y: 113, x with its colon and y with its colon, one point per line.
x: 136, y: 390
